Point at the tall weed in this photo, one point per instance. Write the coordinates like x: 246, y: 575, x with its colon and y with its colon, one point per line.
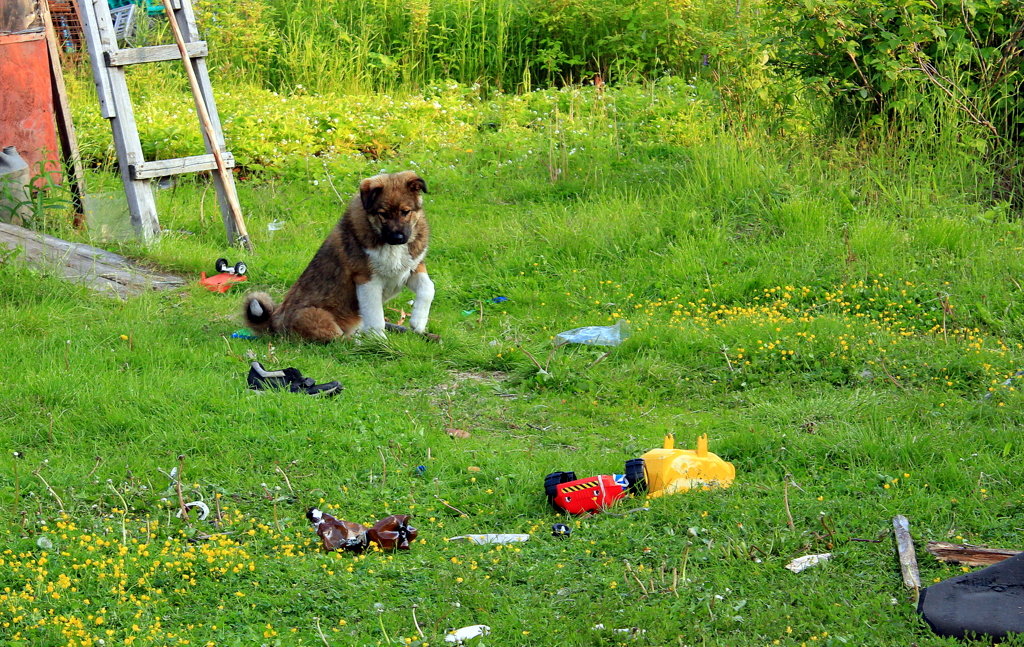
x: 374, y: 45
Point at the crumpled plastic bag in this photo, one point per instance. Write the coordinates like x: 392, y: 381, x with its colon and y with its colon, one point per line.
x: 803, y: 563
x: 459, y: 636
x: 595, y: 335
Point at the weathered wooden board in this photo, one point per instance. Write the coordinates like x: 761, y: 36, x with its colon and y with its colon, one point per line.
x: 155, y: 54
x: 101, y: 270
x: 164, y: 168
x: 968, y: 553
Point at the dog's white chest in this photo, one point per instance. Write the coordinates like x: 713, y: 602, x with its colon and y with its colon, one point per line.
x: 392, y: 265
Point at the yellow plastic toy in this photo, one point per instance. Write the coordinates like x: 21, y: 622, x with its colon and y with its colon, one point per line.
x: 671, y: 470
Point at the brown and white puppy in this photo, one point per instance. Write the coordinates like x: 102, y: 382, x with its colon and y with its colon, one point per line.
x: 375, y: 250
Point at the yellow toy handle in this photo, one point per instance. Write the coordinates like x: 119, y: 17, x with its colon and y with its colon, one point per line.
x: 702, y: 445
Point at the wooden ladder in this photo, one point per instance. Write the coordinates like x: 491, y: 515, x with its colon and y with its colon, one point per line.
x: 108, y: 63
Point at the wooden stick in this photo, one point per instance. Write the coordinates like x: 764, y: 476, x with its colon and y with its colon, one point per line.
x: 905, y: 552
x: 321, y: 632
x: 53, y: 493
x: 416, y: 622
x: 968, y: 553
x: 630, y: 570
x: 540, y: 369
x: 448, y: 505
x: 785, y: 501
x: 204, y: 118
x: 182, y: 510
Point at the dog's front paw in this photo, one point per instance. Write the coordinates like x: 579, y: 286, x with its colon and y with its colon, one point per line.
x: 418, y: 325
x: 373, y: 333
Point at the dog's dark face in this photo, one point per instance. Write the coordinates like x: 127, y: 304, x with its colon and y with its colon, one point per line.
x: 393, y: 204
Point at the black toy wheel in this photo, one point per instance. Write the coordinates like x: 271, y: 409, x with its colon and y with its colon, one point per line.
x: 553, y: 480
x: 221, y: 264
x: 240, y: 268
x: 635, y: 475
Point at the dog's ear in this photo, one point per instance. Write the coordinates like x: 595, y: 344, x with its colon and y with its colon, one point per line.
x: 416, y: 184
x: 369, y: 192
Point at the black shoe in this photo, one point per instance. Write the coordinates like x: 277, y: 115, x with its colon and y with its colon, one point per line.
x: 289, y: 379
x: 310, y: 387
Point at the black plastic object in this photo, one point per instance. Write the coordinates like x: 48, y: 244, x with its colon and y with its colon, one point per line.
x: 289, y: 379
x: 561, y: 530
x: 987, y: 602
x: 635, y: 475
x: 555, y: 479
x: 222, y: 265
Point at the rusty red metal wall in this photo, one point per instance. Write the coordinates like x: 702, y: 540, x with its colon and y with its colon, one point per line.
x: 26, y: 93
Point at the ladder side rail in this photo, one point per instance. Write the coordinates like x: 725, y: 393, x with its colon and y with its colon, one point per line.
x: 139, y: 193
x: 224, y: 185
x: 97, y: 47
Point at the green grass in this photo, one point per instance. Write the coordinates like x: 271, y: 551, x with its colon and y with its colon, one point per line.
x: 833, y: 314
x: 507, y: 45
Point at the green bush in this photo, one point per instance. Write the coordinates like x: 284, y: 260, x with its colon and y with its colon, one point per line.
x: 886, y: 58
x: 244, y: 32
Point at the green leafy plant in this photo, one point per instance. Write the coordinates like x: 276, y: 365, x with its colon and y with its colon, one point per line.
x: 46, y: 202
x: 880, y: 57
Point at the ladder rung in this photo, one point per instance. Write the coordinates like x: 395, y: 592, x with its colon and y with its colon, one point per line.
x: 154, y: 54
x: 163, y: 168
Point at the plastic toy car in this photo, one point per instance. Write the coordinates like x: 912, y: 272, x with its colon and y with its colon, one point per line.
x: 219, y: 282
x: 225, y: 277
x: 238, y: 269
x: 576, y: 496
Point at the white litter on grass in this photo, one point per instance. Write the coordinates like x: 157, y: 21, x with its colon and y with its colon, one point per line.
x: 807, y: 561
x: 633, y: 631
x: 204, y: 510
x: 459, y: 636
x: 492, y: 538
x: 595, y: 335
x: 172, y: 475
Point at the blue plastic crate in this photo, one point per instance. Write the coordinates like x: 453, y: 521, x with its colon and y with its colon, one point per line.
x: 152, y: 7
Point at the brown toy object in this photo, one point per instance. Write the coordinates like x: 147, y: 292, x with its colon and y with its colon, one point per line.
x: 388, y: 533
x: 335, y: 533
x: 393, y: 532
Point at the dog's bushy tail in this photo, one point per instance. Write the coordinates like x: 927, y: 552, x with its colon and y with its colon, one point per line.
x: 258, y: 311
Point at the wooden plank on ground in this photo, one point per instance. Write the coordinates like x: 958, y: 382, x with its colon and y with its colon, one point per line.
x: 968, y: 553
x: 99, y: 269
